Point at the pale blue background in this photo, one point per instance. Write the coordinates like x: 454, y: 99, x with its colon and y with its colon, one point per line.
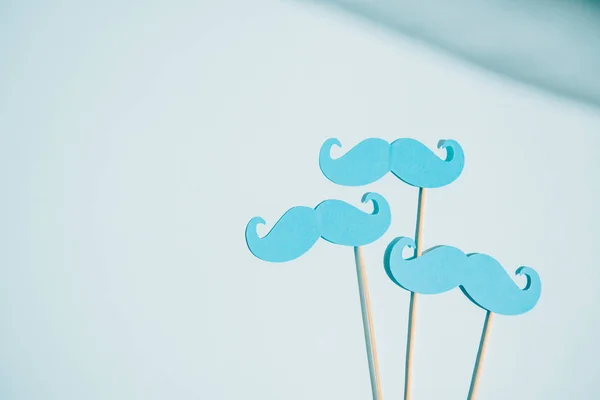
x: 136, y: 141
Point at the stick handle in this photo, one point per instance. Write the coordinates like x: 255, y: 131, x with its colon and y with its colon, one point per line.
x: 365, y: 305
x: 409, y: 347
x: 413, y: 299
x: 480, y: 355
x: 419, y: 228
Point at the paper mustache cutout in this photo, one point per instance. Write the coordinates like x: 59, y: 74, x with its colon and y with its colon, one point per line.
x: 408, y: 159
x: 334, y: 220
x: 480, y: 277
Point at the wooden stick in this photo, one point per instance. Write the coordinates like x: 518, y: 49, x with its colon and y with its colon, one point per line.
x: 365, y: 305
x: 413, y: 300
x: 480, y: 355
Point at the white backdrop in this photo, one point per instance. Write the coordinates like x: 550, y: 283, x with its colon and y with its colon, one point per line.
x: 136, y: 141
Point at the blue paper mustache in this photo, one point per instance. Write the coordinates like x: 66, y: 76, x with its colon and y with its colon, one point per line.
x: 408, y: 159
x: 480, y: 277
x: 334, y: 220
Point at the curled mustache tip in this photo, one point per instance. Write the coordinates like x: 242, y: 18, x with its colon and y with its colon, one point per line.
x: 450, y: 146
x: 376, y: 199
x: 531, y: 275
x: 254, y: 222
x: 395, y: 248
x: 394, y: 251
x: 524, y: 270
x: 404, y: 242
x: 329, y: 143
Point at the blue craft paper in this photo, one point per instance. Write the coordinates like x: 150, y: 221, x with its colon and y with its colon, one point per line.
x: 334, y: 220
x: 365, y: 163
x: 480, y: 277
x: 408, y: 159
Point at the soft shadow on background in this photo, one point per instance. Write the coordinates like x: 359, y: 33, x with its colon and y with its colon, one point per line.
x: 136, y: 142
x: 549, y: 44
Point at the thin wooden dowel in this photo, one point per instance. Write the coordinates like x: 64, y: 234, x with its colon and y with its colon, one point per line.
x: 409, y: 349
x: 419, y: 228
x: 413, y: 300
x: 365, y: 305
x: 485, y: 333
